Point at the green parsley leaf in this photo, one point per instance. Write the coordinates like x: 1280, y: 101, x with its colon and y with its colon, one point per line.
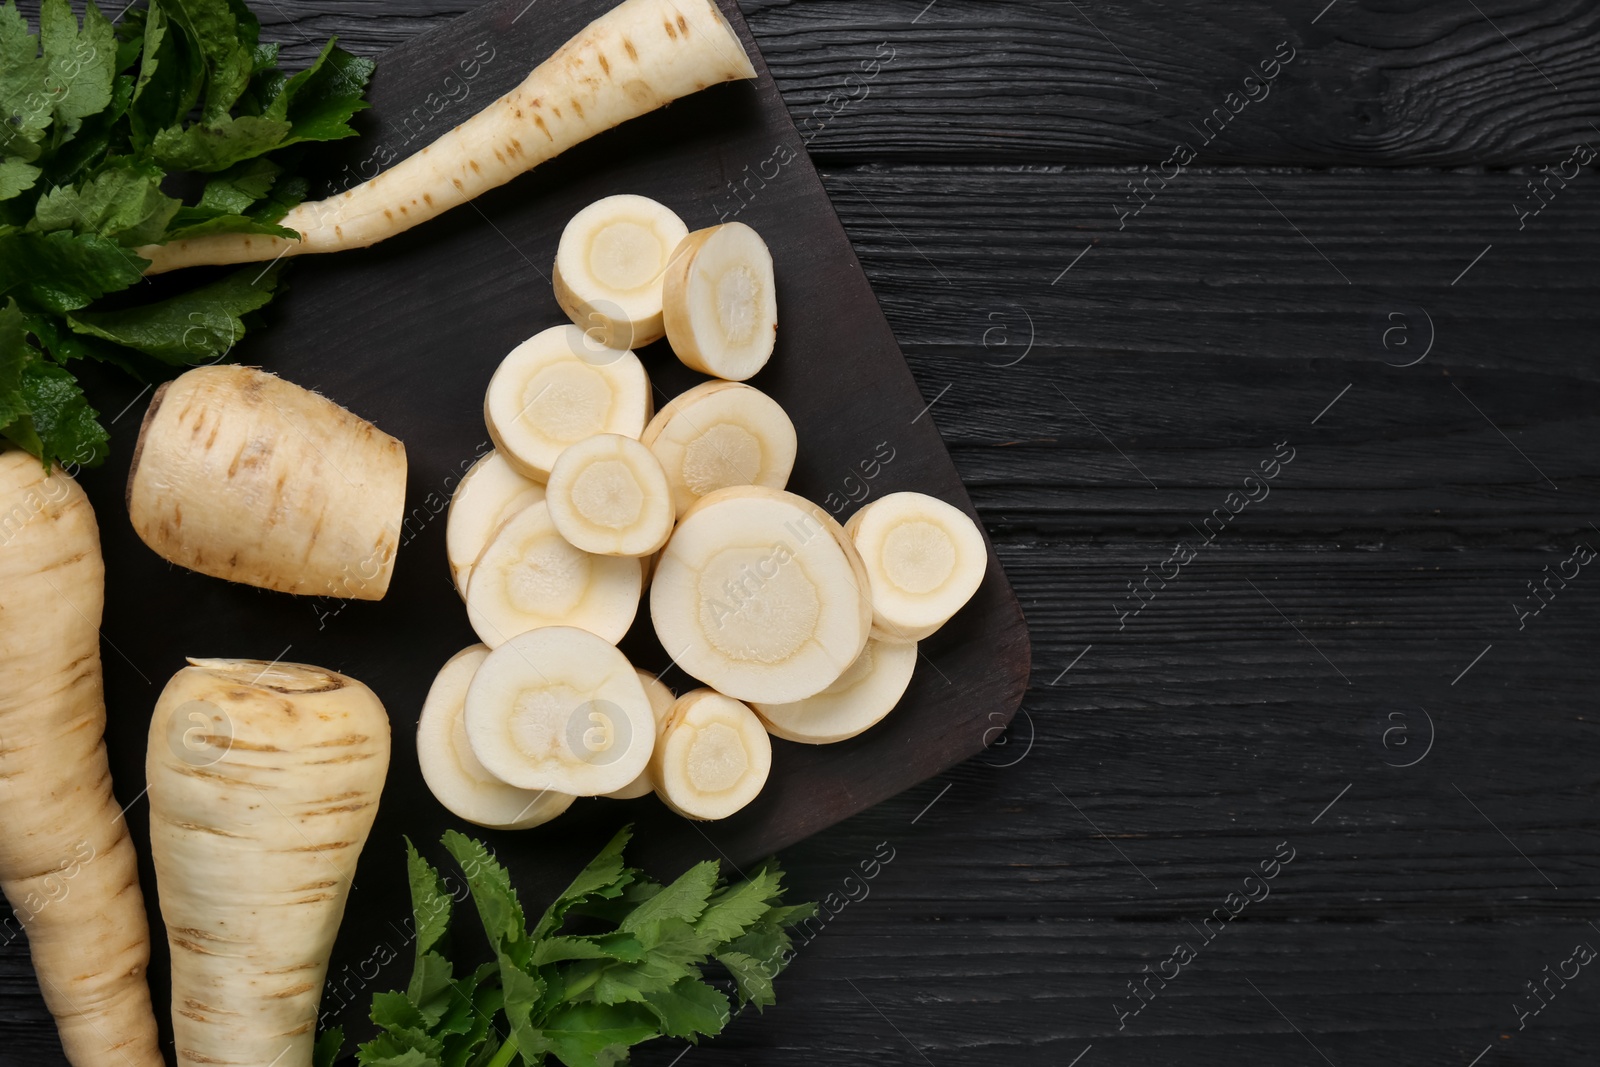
x: 605, y: 876
x: 15, y: 356
x: 689, y: 1008
x: 217, y: 144
x: 60, y: 424
x: 123, y: 202
x: 78, y: 65
x: 329, y: 1044
x: 199, y: 326
x: 62, y: 271
x: 16, y: 177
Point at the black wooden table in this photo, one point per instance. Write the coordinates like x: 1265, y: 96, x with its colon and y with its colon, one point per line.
x: 1264, y: 335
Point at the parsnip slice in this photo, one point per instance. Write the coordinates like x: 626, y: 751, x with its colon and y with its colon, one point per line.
x: 721, y: 434
x: 764, y: 595
x: 560, y: 709
x: 925, y: 559
x: 489, y: 494
x: 454, y: 775
x: 713, y: 756
x: 862, y: 697
x: 608, y: 495
x: 609, y: 268
x: 661, y: 701
x: 720, y: 302
x: 555, y: 389
x: 530, y: 576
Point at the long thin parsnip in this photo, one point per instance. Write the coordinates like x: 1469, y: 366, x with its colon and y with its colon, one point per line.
x: 639, y: 56
x: 67, y: 864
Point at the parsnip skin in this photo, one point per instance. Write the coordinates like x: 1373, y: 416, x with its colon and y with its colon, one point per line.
x: 67, y: 864
x: 639, y: 56
x: 264, y: 783
x: 242, y: 475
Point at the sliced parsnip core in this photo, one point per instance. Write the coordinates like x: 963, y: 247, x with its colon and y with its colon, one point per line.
x: 759, y: 595
x: 489, y: 494
x: 454, y: 775
x: 661, y: 701
x: 713, y: 756
x: 721, y: 434
x: 858, y: 701
x: 720, y: 302
x: 530, y: 576
x: 609, y: 269
x: 925, y: 559
x: 560, y: 709
x: 557, y: 388
x: 608, y: 495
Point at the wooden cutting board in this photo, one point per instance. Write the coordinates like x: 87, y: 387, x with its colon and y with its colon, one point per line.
x: 407, y: 334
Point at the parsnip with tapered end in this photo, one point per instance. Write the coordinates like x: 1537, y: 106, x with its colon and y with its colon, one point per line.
x: 554, y: 390
x: 264, y: 782
x: 67, y: 864
x: 489, y: 494
x: 764, y: 595
x: 639, y: 56
x: 713, y: 756
x: 720, y: 302
x: 530, y: 576
x: 925, y: 559
x: 609, y: 267
x: 559, y: 708
x: 242, y: 475
x: 721, y: 434
x: 862, y: 697
x: 661, y: 701
x: 454, y: 775
x: 608, y: 495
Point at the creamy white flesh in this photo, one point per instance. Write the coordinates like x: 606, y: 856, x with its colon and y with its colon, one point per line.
x: 489, y: 494
x: 858, y: 701
x: 720, y: 302
x: 713, y: 756
x: 554, y: 390
x: 609, y: 269
x: 925, y: 559
x: 560, y: 709
x: 454, y: 775
x: 661, y: 701
x: 608, y: 495
x: 721, y: 434
x: 759, y: 595
x: 530, y: 576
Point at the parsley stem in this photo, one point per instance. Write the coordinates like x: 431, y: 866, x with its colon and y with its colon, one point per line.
x: 507, y: 1053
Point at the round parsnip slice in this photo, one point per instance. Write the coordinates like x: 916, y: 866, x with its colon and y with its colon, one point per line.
x: 720, y: 302
x: 454, y: 775
x: 530, y: 576
x: 560, y: 709
x: 925, y: 559
x: 609, y: 269
x: 713, y: 756
x: 861, y: 698
x: 661, y: 701
x: 721, y: 434
x: 608, y: 495
x: 489, y: 494
x: 760, y: 595
x: 555, y: 389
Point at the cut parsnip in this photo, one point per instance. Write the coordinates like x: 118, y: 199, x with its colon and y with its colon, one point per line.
x: 554, y: 390
x: 721, y: 434
x: 530, y: 576
x: 454, y: 775
x: 713, y: 756
x: 720, y: 302
x: 608, y: 495
x: 489, y: 494
x: 560, y: 709
x: 858, y: 701
x: 925, y: 559
x: 609, y: 268
x: 763, y: 594
x: 661, y: 701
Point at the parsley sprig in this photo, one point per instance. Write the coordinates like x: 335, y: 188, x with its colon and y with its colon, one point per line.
x: 176, y: 122
x: 614, y: 961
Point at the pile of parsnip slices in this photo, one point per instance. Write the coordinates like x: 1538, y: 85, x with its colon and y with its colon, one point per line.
x: 798, y: 627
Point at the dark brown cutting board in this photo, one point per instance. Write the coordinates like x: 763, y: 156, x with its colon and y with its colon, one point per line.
x: 407, y: 334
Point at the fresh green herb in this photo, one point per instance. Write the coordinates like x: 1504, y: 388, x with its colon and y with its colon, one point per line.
x: 96, y: 121
x: 614, y: 961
